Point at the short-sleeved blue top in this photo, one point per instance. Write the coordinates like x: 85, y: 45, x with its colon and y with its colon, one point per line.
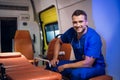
x: 88, y: 45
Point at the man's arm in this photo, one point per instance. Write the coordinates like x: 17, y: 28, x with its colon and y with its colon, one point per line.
x: 56, y: 51
x: 88, y: 62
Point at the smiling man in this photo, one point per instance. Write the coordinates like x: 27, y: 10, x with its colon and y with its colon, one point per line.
x: 86, y: 44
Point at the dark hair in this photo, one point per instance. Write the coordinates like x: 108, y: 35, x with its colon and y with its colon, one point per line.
x: 79, y: 12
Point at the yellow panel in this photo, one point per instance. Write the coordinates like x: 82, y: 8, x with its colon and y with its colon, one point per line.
x: 48, y: 16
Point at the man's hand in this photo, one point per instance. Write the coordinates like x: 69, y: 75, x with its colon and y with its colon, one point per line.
x: 53, y: 62
x: 61, y: 68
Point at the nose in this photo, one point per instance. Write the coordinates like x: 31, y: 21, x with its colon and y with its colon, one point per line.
x: 77, y: 24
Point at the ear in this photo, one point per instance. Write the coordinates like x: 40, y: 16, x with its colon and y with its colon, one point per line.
x: 86, y: 22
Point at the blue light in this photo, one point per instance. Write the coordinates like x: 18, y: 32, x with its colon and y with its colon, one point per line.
x: 106, y: 16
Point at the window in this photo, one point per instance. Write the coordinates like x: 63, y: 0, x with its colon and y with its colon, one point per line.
x: 51, y: 31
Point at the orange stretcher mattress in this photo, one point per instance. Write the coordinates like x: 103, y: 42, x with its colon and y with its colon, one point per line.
x: 19, y: 68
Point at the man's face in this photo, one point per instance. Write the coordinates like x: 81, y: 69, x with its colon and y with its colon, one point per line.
x: 79, y: 23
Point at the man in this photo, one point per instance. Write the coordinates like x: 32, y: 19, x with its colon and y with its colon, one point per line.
x: 86, y: 44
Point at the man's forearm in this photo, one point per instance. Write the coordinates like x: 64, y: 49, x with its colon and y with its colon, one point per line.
x: 56, y: 49
x: 88, y: 62
x: 76, y: 65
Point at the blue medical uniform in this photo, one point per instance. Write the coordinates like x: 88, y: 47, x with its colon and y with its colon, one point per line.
x: 88, y: 45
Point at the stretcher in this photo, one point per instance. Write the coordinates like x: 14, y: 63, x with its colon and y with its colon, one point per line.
x: 17, y: 67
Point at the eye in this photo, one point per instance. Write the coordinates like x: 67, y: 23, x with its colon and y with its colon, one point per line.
x: 74, y: 22
x: 81, y: 21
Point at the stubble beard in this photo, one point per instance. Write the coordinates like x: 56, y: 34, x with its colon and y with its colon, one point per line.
x: 80, y: 31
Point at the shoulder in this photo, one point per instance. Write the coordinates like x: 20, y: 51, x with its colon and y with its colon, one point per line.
x: 68, y: 35
x: 92, y: 35
x: 91, y: 32
x: 70, y: 32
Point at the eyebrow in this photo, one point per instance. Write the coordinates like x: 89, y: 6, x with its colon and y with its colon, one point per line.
x: 78, y: 21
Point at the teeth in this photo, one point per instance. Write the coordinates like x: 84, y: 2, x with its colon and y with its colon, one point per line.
x: 78, y: 27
